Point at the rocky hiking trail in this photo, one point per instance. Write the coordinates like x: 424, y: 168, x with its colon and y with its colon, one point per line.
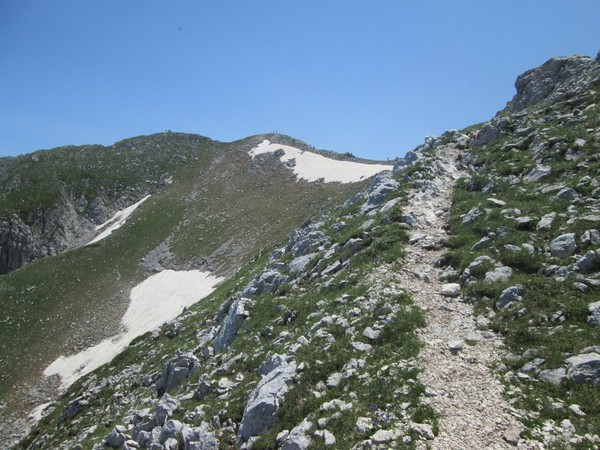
x: 457, y: 358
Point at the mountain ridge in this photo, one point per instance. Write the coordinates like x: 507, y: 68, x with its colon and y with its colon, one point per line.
x: 463, y: 281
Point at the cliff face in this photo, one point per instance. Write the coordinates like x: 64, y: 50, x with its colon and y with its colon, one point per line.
x: 67, y: 224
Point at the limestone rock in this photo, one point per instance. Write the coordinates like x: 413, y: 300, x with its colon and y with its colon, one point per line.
x: 236, y: 317
x: 488, y: 134
x: 472, y: 215
x: 551, y: 81
x: 171, y: 430
x: 499, y: 274
x: 594, y: 317
x: 567, y: 193
x: 584, y: 368
x: 554, y: 376
x: 546, y: 221
x: 115, y: 439
x: 450, y: 290
x: 509, y: 295
x: 381, y: 187
x: 264, y: 402
x: 175, y: 372
x: 563, y: 246
x: 298, y: 438
x: 165, y: 408
x: 587, y: 262
x: 538, y: 173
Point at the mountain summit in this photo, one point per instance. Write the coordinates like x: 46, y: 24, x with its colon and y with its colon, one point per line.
x: 450, y: 301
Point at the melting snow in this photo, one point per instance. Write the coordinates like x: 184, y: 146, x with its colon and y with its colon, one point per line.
x: 154, y: 301
x: 116, y: 221
x: 312, y: 167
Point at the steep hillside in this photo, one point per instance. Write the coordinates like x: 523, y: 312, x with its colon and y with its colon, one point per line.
x: 452, y: 303
x: 214, y: 211
x: 525, y: 243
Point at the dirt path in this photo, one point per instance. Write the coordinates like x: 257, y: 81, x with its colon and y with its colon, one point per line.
x: 460, y: 385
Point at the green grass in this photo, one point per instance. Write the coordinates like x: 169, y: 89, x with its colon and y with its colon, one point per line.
x: 551, y: 319
x: 45, y: 305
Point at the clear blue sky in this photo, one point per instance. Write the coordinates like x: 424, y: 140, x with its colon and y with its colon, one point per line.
x: 369, y: 77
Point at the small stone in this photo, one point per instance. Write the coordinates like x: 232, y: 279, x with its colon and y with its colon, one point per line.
x: 364, y: 425
x: 451, y: 290
x: 371, y: 333
x: 473, y: 338
x: 115, y: 439
x: 326, y: 436
x: 524, y: 223
x: 423, y: 429
x: 532, y: 365
x: 584, y: 368
x: 456, y: 345
x: 499, y: 274
x: 576, y: 409
x: 567, y: 193
x: 482, y: 322
x: 545, y: 222
x: 509, y: 295
x: 334, y: 379
x: 594, y: 317
x: 554, y: 376
x: 361, y: 346
x: 482, y: 243
x: 512, y: 435
x: 282, y: 435
x: 567, y: 426
x: 472, y: 215
x: 587, y: 262
x: 495, y: 202
x: 563, y: 246
x: 383, y: 436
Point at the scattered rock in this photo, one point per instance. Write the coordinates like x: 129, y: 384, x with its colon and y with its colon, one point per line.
x: 115, y: 439
x: 545, y: 222
x: 175, y: 372
x: 451, y: 290
x: 554, y: 376
x: 584, y: 368
x: 423, y: 429
x: 563, y: 246
x: 512, y: 435
x: 326, y: 436
x: 472, y: 215
x: 594, y: 317
x: 236, y: 317
x: 265, y: 400
x: 298, y: 438
x: 587, y: 262
x: 499, y: 274
x: 509, y: 295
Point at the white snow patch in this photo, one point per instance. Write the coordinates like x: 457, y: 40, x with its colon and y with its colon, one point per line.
x: 116, y: 221
x: 312, y: 167
x: 38, y: 412
x: 154, y: 301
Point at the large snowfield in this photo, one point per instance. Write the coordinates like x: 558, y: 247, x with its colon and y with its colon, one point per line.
x: 312, y: 167
x: 159, y: 298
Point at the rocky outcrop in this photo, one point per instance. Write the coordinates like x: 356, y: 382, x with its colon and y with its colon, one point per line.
x: 68, y: 223
x: 556, y: 80
x: 265, y: 400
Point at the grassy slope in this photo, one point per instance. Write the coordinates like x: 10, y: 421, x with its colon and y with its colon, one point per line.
x: 534, y: 324
x: 79, y: 296
x: 385, y: 390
